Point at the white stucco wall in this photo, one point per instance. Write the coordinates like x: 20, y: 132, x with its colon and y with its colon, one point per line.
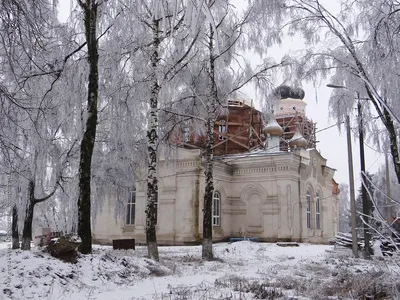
x: 262, y: 195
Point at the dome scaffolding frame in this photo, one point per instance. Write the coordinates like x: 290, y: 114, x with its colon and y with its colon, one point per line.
x: 305, y: 126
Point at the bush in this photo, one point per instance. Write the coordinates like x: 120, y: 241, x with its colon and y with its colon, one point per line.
x: 63, y: 248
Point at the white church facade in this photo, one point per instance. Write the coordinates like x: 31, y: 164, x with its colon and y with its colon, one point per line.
x: 265, y: 193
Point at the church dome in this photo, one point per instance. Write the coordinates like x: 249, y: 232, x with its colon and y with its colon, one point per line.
x: 273, y: 128
x: 298, y: 141
x: 285, y: 92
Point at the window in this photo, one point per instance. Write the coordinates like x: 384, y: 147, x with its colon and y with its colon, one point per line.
x: 216, y: 209
x: 308, y: 198
x: 186, y: 134
x: 222, y: 129
x: 156, y: 209
x: 317, y: 212
x: 130, y: 209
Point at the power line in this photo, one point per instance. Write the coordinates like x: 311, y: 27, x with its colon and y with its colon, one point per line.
x: 370, y: 166
x: 373, y: 149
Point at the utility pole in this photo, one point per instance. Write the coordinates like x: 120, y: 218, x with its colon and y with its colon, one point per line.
x: 351, y: 183
x: 351, y: 179
x: 388, y: 201
x: 365, y: 203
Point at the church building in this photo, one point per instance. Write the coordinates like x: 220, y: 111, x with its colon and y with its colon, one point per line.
x: 269, y: 182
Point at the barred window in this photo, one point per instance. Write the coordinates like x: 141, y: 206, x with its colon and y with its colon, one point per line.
x: 217, y: 209
x: 317, y: 212
x: 222, y: 131
x: 308, y: 198
x: 130, y: 209
x: 186, y: 134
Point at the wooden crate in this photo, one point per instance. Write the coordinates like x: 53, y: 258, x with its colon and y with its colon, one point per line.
x: 124, y: 244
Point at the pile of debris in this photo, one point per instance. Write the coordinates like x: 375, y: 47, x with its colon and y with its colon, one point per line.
x: 388, y: 246
x: 345, y: 240
x: 64, y: 248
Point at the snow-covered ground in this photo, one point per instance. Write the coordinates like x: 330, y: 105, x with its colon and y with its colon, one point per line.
x: 242, y: 270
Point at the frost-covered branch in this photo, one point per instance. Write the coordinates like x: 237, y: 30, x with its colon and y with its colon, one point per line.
x: 366, y: 67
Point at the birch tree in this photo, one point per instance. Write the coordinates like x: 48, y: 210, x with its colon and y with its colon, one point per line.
x: 31, y: 140
x: 152, y: 140
x: 161, y: 49
x: 219, y: 70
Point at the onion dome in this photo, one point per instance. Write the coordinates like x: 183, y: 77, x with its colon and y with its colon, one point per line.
x: 284, y: 92
x: 273, y: 128
x: 298, y: 141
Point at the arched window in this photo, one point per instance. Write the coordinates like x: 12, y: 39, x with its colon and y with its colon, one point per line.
x: 130, y: 208
x: 217, y: 209
x: 308, y: 198
x: 317, y: 211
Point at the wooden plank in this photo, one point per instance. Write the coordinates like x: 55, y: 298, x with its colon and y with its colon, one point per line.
x: 258, y: 137
x: 287, y: 244
x: 243, y: 138
x: 240, y: 144
x: 236, y: 123
x: 227, y: 138
x: 190, y: 145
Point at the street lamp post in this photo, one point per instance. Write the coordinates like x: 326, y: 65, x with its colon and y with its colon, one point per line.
x: 351, y: 183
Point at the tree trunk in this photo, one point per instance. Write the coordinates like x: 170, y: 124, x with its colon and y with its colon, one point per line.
x: 27, y: 230
x: 207, y: 253
x: 394, y: 149
x: 86, y: 150
x: 14, y: 228
x: 152, y: 139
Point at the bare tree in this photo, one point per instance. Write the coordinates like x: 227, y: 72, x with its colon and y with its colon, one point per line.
x: 344, y: 208
x: 30, y: 140
x: 89, y: 8
x: 362, y: 60
x: 218, y: 71
x: 33, y: 200
x: 157, y: 46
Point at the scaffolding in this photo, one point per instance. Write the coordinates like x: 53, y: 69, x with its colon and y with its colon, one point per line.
x: 290, y: 123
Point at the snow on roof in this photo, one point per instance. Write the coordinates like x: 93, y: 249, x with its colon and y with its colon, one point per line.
x: 259, y: 152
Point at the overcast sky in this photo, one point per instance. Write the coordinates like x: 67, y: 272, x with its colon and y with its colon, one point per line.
x: 332, y: 143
